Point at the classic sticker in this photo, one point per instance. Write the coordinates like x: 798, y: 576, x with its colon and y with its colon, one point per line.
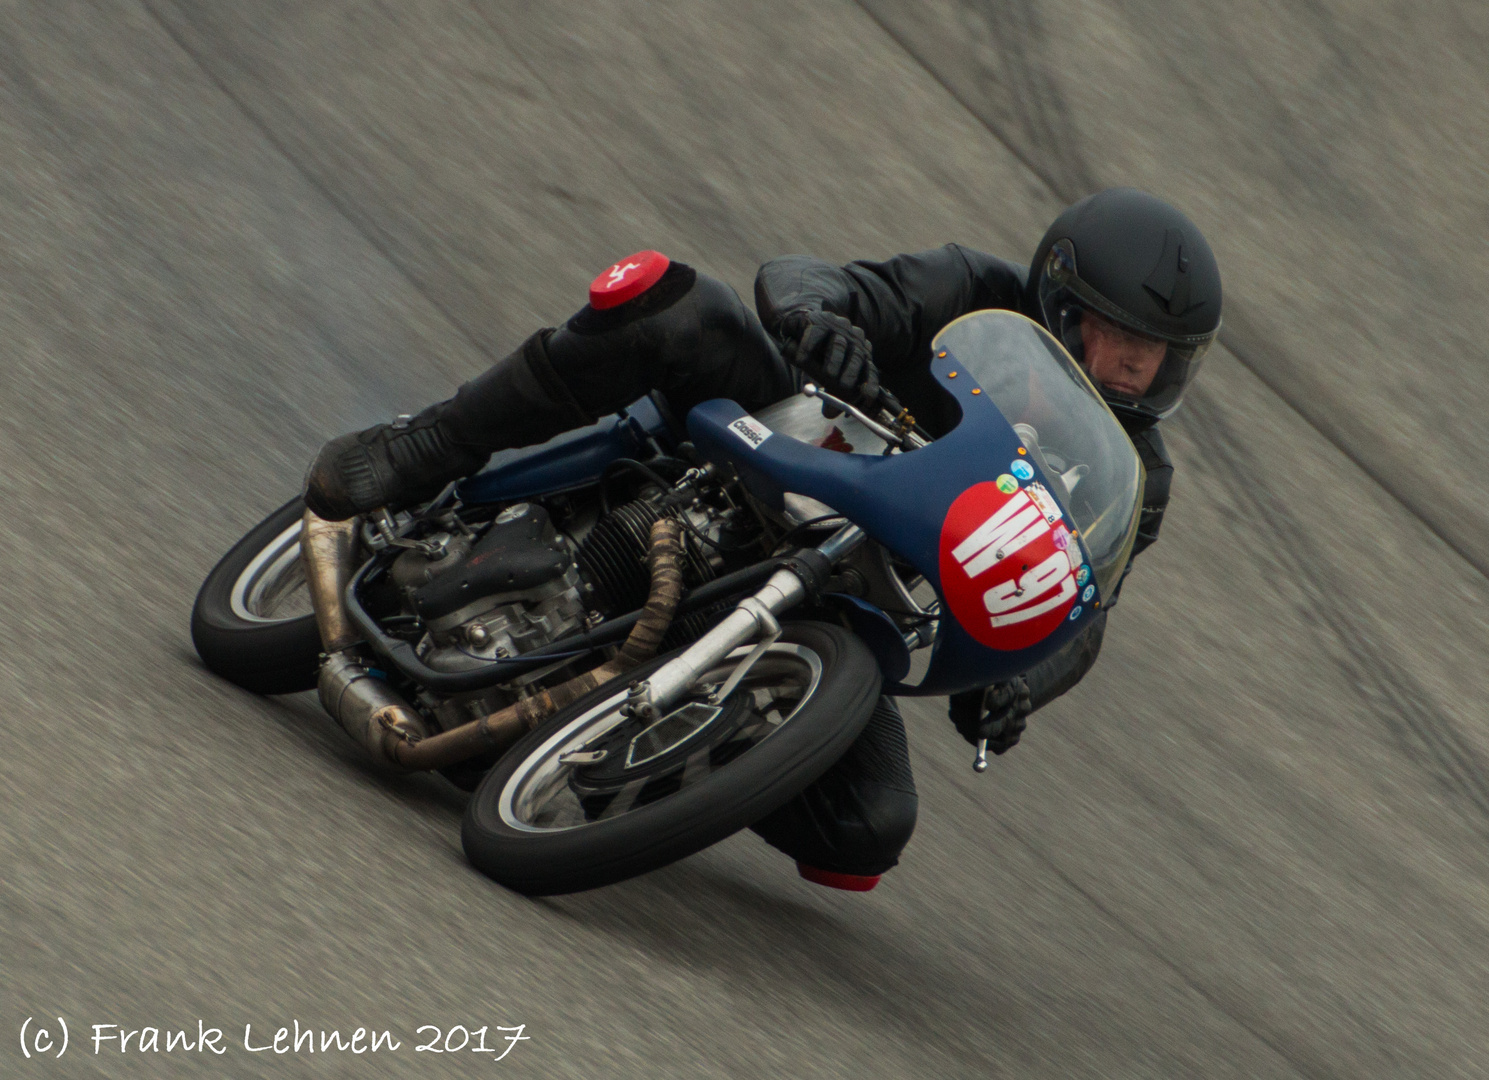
x: 1090, y: 592
x: 1007, y: 484
x: 1005, y: 580
x: 1022, y: 469
x: 750, y: 430
x: 1083, y: 575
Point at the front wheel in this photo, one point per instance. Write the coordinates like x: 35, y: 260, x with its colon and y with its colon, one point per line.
x: 252, y: 622
x: 593, y: 796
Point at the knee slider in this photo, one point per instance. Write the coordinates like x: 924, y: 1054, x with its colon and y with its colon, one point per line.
x: 675, y: 282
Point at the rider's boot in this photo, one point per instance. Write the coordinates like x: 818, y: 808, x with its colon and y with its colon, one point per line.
x: 408, y: 461
x: 687, y: 335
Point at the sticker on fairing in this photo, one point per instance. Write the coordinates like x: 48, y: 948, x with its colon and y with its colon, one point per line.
x: 751, y: 430
x: 1005, y: 580
x: 1046, y: 503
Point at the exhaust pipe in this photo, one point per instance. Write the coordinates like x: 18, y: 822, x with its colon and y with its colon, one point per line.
x: 379, y: 718
x: 326, y: 550
x: 369, y: 710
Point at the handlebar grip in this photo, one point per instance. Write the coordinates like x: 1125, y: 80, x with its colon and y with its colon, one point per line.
x: 889, y: 402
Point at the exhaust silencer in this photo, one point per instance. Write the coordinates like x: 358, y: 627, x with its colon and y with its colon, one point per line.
x: 367, y: 708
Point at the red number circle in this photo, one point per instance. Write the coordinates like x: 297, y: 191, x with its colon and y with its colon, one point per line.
x: 1005, y: 580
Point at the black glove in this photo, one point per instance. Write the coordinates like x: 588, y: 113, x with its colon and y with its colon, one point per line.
x: 998, y: 714
x: 834, y: 352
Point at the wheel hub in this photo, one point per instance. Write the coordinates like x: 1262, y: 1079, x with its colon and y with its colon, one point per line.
x: 638, y: 750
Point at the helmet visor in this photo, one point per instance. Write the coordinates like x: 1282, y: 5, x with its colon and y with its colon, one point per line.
x: 1136, y: 366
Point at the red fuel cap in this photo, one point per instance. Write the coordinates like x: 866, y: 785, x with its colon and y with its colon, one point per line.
x: 627, y: 279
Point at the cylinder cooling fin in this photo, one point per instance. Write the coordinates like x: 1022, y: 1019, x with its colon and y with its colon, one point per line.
x: 612, y: 557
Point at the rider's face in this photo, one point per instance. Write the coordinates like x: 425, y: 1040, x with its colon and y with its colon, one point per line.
x: 1120, y: 361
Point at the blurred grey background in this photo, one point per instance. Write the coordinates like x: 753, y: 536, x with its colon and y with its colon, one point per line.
x: 1251, y: 843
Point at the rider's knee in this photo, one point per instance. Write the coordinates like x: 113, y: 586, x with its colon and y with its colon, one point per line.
x: 690, y: 336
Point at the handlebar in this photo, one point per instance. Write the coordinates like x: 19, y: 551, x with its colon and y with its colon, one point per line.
x: 900, y: 430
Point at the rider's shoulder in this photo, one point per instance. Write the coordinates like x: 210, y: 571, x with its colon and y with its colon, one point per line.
x: 993, y: 269
x: 1148, y: 441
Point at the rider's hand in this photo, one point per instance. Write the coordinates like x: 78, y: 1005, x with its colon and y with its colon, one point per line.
x: 998, y: 714
x: 835, y: 352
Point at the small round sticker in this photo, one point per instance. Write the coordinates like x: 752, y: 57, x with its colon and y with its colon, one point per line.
x: 1007, y: 484
x: 1022, y: 469
x: 1083, y: 575
x: 1090, y: 592
x: 1075, y: 613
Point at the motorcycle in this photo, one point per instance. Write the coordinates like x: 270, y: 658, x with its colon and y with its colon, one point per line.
x: 641, y: 637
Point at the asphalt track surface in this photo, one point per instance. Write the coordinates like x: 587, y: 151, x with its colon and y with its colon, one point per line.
x: 1252, y: 843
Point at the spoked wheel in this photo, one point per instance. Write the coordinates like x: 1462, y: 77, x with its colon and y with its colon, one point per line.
x: 252, y: 622
x: 595, y: 796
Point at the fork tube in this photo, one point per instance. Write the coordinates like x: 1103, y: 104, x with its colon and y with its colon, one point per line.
x: 785, y: 589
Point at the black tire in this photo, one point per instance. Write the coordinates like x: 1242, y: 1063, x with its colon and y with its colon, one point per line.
x: 264, y: 653
x: 745, y: 785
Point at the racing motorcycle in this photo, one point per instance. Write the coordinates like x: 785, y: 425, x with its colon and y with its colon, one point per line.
x: 641, y: 637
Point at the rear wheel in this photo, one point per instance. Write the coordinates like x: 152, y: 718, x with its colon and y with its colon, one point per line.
x: 252, y: 622
x: 594, y: 796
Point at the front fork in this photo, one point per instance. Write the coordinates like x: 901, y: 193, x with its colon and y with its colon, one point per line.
x: 755, y: 614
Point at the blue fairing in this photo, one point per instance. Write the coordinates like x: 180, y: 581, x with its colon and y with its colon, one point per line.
x: 901, y: 501
x: 876, y: 630
x: 571, y: 460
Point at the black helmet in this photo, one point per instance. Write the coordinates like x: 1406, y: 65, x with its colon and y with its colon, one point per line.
x: 1129, y: 269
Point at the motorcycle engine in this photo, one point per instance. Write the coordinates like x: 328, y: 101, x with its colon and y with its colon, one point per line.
x: 511, y: 591
x: 523, y: 585
x: 520, y: 586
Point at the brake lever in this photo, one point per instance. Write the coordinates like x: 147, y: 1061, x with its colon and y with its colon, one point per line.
x: 892, y: 438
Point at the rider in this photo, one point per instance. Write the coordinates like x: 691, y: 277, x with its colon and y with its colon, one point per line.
x: 1124, y: 280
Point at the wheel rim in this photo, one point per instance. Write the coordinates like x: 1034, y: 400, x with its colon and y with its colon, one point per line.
x: 271, y: 588
x: 560, y: 785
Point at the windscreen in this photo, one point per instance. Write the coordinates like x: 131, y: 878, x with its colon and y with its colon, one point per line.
x: 1067, y: 428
